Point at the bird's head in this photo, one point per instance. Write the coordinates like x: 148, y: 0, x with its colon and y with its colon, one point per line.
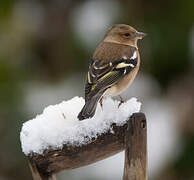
x: 123, y: 34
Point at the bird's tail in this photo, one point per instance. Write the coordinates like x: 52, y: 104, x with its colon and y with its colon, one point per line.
x: 89, y: 109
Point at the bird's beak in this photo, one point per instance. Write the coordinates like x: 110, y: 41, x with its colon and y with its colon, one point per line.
x: 140, y: 35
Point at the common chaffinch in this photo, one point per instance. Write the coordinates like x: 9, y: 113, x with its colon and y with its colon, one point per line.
x: 113, y: 67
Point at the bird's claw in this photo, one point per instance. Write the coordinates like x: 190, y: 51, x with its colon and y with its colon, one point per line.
x: 121, y: 101
x: 101, y: 99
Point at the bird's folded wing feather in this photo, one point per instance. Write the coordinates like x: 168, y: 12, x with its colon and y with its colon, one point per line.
x: 101, y: 76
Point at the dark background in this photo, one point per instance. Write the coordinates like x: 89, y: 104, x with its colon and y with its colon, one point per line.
x: 45, y: 47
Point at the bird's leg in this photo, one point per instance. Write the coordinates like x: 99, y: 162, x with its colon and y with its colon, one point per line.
x: 101, y: 99
x: 121, y: 101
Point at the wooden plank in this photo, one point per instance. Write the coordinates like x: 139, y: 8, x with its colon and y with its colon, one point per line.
x: 136, y: 167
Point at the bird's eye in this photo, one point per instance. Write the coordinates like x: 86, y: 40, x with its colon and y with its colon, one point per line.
x: 127, y: 34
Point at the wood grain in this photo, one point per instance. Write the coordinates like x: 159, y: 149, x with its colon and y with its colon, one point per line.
x: 136, y: 166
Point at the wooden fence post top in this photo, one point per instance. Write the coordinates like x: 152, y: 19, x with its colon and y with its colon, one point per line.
x: 136, y: 149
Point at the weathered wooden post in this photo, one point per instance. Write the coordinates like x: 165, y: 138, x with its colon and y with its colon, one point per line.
x: 136, y: 166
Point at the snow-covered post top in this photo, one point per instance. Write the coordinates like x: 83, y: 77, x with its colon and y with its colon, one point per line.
x: 57, y: 140
x: 58, y: 124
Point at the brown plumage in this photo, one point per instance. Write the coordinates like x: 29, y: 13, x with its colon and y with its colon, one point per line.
x: 108, y: 51
x: 114, y: 65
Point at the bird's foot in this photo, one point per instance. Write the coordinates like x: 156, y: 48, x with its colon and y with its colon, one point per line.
x: 121, y: 101
x: 101, y: 100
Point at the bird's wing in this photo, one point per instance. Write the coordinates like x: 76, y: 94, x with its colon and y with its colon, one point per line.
x: 100, y: 76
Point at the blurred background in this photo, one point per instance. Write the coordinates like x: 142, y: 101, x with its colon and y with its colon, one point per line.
x: 45, y: 47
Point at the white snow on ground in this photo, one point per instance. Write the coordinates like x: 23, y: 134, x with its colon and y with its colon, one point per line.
x: 58, y: 124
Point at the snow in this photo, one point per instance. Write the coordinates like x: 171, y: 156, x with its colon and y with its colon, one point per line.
x: 58, y: 124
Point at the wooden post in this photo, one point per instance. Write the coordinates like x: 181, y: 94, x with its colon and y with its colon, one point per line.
x: 136, y: 167
x: 39, y: 175
x: 130, y: 137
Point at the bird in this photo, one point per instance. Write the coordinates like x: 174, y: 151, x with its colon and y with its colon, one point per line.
x: 113, y: 67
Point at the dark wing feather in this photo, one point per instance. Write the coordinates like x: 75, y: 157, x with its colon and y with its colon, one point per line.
x: 96, y: 71
x: 102, y: 76
x: 104, y: 83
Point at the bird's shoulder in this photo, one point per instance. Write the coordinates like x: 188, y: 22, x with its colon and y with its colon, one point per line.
x: 109, y: 52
